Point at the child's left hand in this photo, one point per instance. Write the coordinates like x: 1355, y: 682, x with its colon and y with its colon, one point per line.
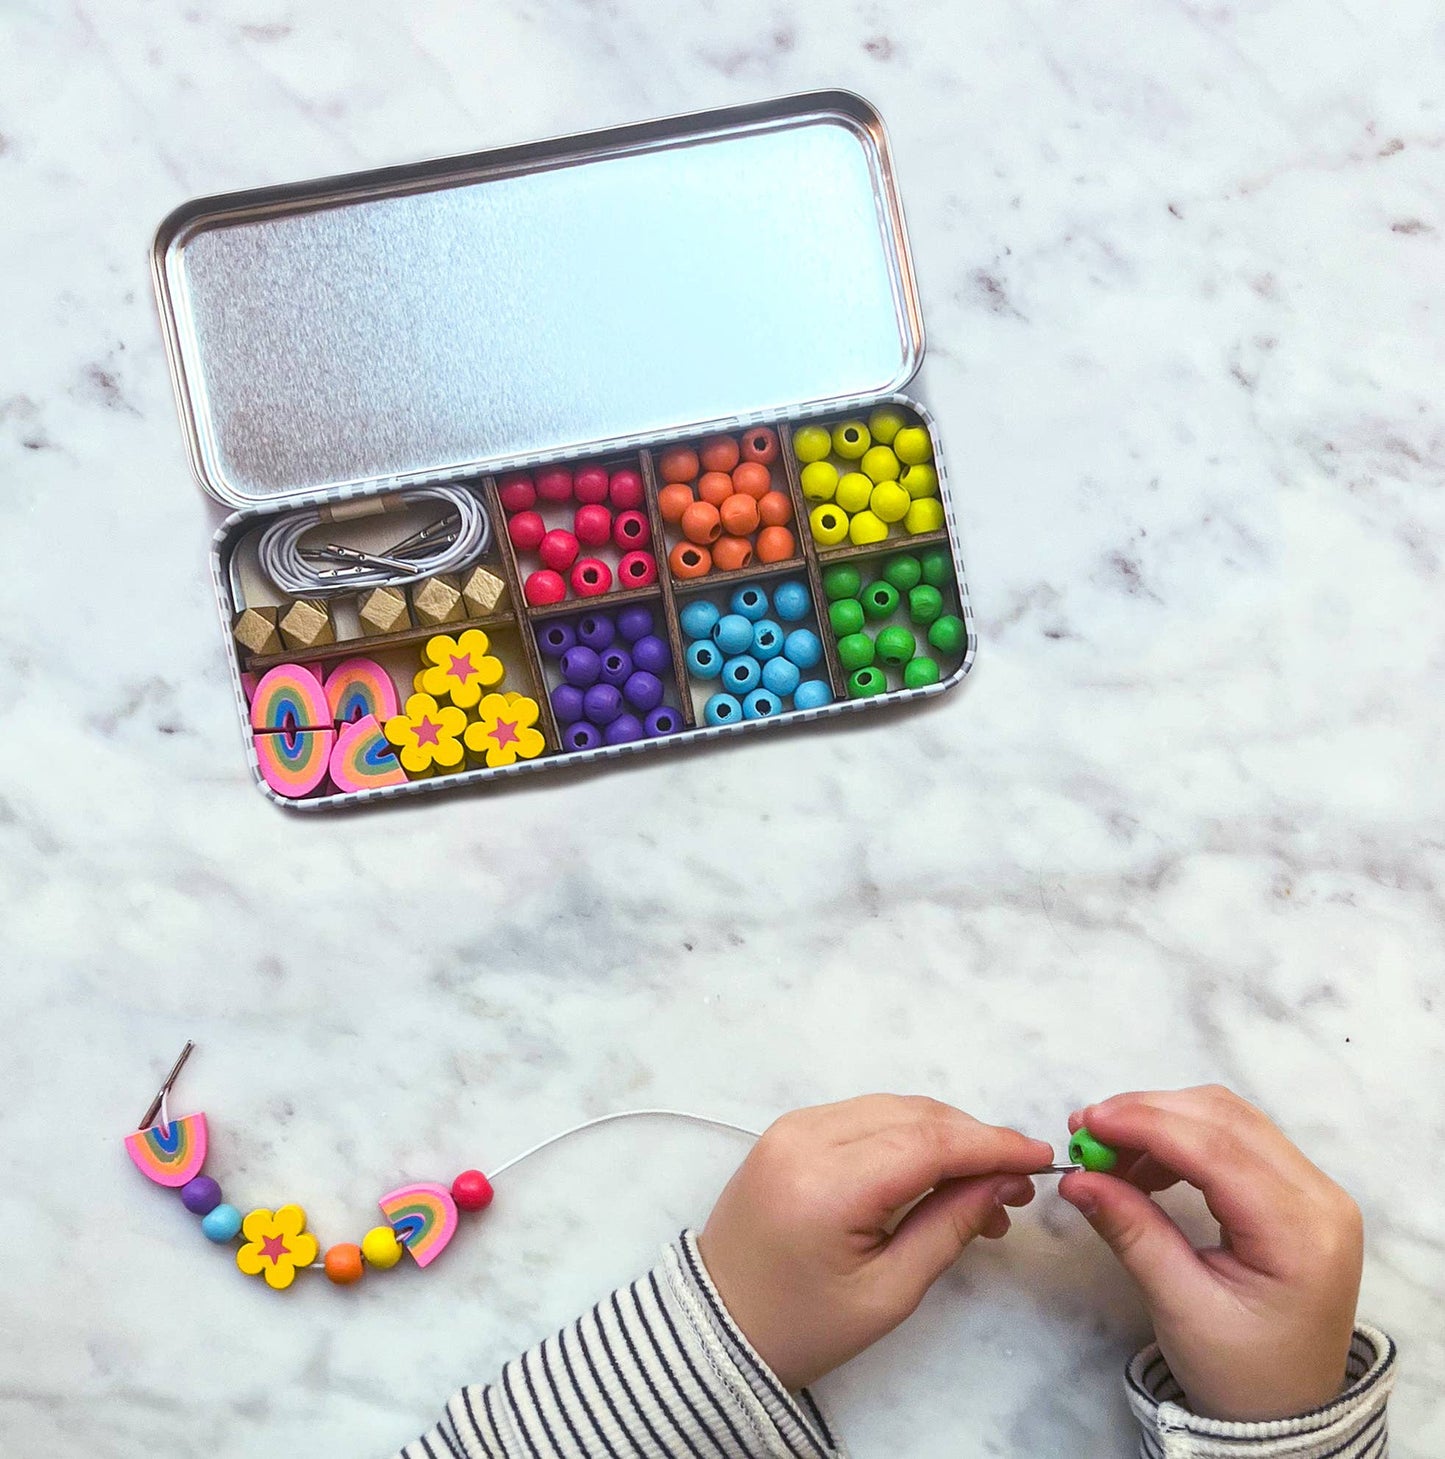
x: 802, y: 1246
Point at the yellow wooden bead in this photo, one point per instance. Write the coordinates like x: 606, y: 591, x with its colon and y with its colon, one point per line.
x: 920, y: 480
x: 880, y: 464
x: 829, y: 524
x: 853, y: 492
x: 851, y: 439
x: 820, y: 481
x: 381, y: 1248
x: 865, y: 527
x: 924, y: 515
x: 885, y: 423
x: 889, y: 502
x: 913, y: 446
x: 811, y: 443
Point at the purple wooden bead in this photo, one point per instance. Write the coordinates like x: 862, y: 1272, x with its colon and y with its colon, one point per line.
x: 556, y: 638
x: 201, y: 1195
x: 652, y: 654
x: 664, y: 720
x: 643, y: 691
x: 581, y: 666
x: 616, y: 666
x: 596, y: 631
x: 602, y: 703
x: 567, y: 703
x: 581, y: 736
x: 634, y: 621
x: 623, y: 730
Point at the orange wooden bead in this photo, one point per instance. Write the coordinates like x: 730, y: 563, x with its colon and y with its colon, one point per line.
x: 679, y: 464
x: 719, y: 453
x: 689, y: 560
x: 754, y: 478
x: 739, y: 514
x: 715, y: 487
x: 775, y: 544
x: 701, y: 523
x: 731, y: 553
x: 760, y: 444
x: 775, y: 510
x: 673, y: 500
x: 343, y: 1263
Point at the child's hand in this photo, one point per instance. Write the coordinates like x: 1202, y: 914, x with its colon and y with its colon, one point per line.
x: 799, y: 1244
x: 1258, y: 1327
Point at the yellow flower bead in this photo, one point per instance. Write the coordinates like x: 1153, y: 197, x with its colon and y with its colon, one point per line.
x: 925, y: 515
x: 504, y: 732
x: 820, y: 481
x: 885, y: 423
x: 866, y: 528
x: 853, y: 492
x: 829, y: 524
x: 913, y: 446
x: 889, y: 502
x: 277, y: 1243
x: 381, y: 1248
x: 427, y: 735
x: 460, y: 668
x: 880, y: 464
x: 811, y: 443
x: 851, y: 439
x: 920, y: 480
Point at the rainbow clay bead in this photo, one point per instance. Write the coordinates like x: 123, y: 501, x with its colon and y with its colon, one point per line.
x: 791, y: 601
x: 812, y: 694
x: 828, y: 524
x: 811, y: 443
x: 851, y: 440
x: 879, y: 600
x: 895, y: 646
x: 704, y: 660
x: 845, y: 616
x: 767, y: 640
x: 722, y: 709
x: 864, y: 683
x: 221, y: 1223
x: 912, y: 446
x: 819, y: 480
x: 664, y: 720
x: 742, y: 674
x: 381, y: 1248
x: 760, y: 704
x: 733, y: 633
x: 937, y: 567
x: 781, y: 676
x: 1091, y: 1153
x: 855, y: 651
x: 699, y: 618
x: 948, y: 635
x: 924, y: 604
x: 924, y: 515
x: 843, y: 580
x: 866, y: 527
x: 904, y: 571
x: 853, y: 492
x: 885, y: 423
x: 751, y: 602
x: 919, y: 672
x: 803, y: 648
x: 879, y: 464
x: 201, y: 1195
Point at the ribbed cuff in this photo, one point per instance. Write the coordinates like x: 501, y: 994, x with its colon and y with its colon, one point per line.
x: 1353, y: 1426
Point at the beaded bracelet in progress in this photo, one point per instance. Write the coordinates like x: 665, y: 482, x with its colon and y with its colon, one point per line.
x: 422, y: 1216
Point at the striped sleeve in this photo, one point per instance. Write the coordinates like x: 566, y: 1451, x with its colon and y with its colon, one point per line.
x: 658, y: 1370
x: 1354, y: 1426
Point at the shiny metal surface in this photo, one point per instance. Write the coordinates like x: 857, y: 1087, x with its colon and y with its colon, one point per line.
x: 572, y: 294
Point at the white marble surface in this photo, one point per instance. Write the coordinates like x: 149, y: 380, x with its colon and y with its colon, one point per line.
x: 1182, y: 270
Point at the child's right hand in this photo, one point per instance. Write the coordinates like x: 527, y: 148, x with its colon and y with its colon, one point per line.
x: 1258, y: 1327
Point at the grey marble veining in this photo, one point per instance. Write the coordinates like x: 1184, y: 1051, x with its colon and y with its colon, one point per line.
x: 1182, y: 277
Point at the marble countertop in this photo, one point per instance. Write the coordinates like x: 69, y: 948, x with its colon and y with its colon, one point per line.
x: 1182, y: 277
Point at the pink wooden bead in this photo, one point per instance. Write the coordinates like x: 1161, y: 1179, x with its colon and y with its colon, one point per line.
x: 558, y: 550
x: 472, y: 1191
x: 625, y: 489
x: 591, y: 577
x: 517, y: 493
x: 630, y: 530
x: 593, y: 525
x: 527, y: 529
x: 590, y: 485
x: 544, y: 586
x: 555, y: 484
x: 637, y: 570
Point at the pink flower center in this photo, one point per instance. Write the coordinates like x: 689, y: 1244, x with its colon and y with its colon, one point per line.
x: 427, y: 733
x: 505, y: 732
x: 461, y: 667
x: 274, y: 1247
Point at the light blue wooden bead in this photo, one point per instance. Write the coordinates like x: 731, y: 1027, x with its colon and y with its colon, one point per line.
x: 812, y: 694
x: 722, y: 709
x: 741, y: 674
x: 791, y: 601
x: 761, y: 705
x: 751, y: 601
x: 699, y: 618
x: 803, y: 648
x: 704, y: 660
x: 221, y: 1223
x: 780, y: 677
x: 733, y: 633
x: 767, y: 640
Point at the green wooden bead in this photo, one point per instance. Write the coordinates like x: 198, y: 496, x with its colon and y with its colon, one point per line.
x: 855, y: 651
x: 919, y: 672
x: 846, y: 616
x: 1092, y: 1154
x: 924, y: 604
x: 904, y: 571
x: 937, y: 567
x: 948, y: 635
x: 841, y: 581
x: 896, y: 646
x: 879, y: 600
x: 867, y: 682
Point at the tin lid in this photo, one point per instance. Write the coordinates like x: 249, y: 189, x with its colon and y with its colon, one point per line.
x: 389, y: 326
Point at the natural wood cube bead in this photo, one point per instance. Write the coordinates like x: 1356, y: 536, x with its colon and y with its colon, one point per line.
x: 383, y: 610
x: 438, y: 600
x: 306, y: 623
x: 255, y: 630
x: 482, y: 592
